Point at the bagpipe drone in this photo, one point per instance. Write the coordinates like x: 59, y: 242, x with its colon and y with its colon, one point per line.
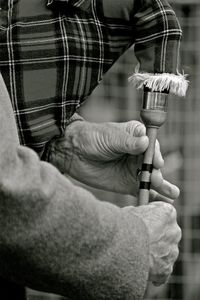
x: 157, y: 48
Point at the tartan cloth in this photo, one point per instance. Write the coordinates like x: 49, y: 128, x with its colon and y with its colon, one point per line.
x: 53, y: 53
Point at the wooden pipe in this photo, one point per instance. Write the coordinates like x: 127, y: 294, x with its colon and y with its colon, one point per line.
x: 153, y: 115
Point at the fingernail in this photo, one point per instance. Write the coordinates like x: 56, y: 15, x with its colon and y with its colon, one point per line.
x: 140, y: 130
x: 141, y: 141
x: 162, y: 162
x: 173, y: 191
x: 177, y: 191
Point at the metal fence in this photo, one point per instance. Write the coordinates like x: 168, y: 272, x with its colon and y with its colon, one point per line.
x: 115, y: 100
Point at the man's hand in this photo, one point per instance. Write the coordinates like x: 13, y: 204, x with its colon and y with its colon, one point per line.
x: 164, y: 236
x: 108, y: 155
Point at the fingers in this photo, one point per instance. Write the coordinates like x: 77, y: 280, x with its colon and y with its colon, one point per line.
x: 158, y: 161
x: 133, y: 140
x: 139, y: 130
x: 165, y: 237
x: 154, y: 196
x: 137, y: 141
x: 131, y: 145
x: 163, y: 187
x: 135, y: 128
x: 126, y: 138
x: 165, y: 268
x: 162, y: 279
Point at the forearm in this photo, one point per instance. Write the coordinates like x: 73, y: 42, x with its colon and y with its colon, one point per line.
x: 63, y: 240
x: 57, y: 237
x: 156, y: 32
x: 157, y: 37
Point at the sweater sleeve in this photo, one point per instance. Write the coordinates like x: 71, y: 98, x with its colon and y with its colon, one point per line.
x: 59, y: 238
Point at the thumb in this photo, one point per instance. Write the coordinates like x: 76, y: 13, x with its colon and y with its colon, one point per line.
x: 132, y: 145
x: 135, y: 128
x: 131, y: 138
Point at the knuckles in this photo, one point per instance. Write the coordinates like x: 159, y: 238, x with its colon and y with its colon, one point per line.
x: 179, y: 234
x: 167, y: 210
x: 175, y: 254
x: 170, y: 212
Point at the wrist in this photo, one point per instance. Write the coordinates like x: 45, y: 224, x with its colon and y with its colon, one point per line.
x: 60, y: 150
x: 74, y: 118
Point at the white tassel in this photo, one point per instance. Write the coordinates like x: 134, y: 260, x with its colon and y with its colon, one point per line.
x: 175, y: 84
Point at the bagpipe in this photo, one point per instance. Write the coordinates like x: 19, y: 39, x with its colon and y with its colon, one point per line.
x: 157, y: 48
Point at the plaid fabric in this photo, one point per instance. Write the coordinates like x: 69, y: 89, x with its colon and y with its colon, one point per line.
x: 53, y: 53
x: 157, y: 37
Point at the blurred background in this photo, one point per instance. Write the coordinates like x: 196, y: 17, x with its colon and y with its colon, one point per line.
x: 115, y: 100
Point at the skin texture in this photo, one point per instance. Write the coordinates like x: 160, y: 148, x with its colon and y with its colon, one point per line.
x: 165, y: 235
x: 108, y: 155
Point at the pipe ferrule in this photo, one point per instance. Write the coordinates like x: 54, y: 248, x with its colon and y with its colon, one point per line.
x: 155, y: 101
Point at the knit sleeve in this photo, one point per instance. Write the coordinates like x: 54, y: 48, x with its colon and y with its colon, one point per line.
x: 59, y: 238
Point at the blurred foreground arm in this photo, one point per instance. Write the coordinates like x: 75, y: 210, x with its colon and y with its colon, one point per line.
x: 57, y: 237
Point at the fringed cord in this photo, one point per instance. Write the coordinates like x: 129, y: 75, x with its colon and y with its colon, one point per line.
x: 174, y: 84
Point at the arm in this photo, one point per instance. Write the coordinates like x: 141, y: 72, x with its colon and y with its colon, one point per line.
x: 153, y: 28
x: 156, y: 32
x: 156, y: 36
x: 57, y: 237
x: 108, y: 156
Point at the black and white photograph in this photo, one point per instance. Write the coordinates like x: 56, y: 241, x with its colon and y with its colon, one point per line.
x: 99, y: 149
